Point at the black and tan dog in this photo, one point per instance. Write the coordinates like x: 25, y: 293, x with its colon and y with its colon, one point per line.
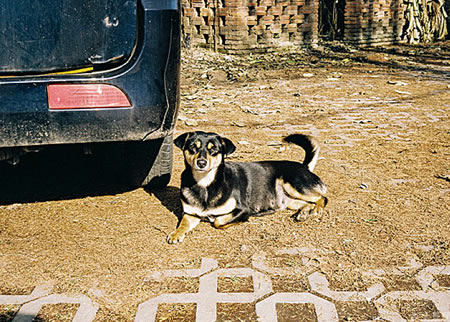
x: 226, y: 193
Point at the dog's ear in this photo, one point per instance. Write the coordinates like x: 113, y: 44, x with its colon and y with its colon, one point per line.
x: 228, y: 146
x: 180, y: 141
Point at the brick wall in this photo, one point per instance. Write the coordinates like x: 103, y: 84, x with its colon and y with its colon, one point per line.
x: 250, y: 25
x: 373, y: 21
x: 240, y: 26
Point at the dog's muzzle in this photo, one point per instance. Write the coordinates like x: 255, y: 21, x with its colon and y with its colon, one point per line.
x: 201, y: 164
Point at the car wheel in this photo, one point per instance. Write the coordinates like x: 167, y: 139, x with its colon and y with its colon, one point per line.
x: 138, y: 164
x: 158, y: 176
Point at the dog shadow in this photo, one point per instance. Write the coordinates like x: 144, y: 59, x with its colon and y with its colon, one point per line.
x: 169, y: 198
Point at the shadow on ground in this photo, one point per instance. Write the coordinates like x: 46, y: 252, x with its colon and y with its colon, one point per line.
x: 56, y: 174
x: 431, y: 60
x: 169, y: 198
x: 414, y: 58
x: 9, y: 316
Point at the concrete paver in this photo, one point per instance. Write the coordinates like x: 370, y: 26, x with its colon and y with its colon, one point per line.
x: 263, y: 297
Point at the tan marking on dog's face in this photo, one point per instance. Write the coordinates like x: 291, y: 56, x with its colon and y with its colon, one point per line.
x: 213, y: 155
x: 198, y: 144
x: 214, y: 160
x: 190, y: 157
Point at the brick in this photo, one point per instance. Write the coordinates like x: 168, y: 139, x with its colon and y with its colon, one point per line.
x: 291, y: 10
x: 267, y: 2
x: 260, y: 11
x: 225, y: 30
x: 275, y: 11
x: 205, y: 12
x: 307, y: 10
x: 298, y: 2
x: 234, y: 3
x: 267, y: 20
x: 197, y: 20
x: 188, y: 12
x: 297, y: 19
x: 224, y: 11
x: 252, y: 21
x: 276, y: 29
x: 285, y: 19
x: 292, y: 27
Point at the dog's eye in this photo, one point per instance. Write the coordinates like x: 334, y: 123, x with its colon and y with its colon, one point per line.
x: 212, y: 149
x: 192, y: 148
x: 195, y: 146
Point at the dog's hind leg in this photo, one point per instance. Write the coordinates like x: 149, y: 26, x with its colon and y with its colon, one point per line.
x: 236, y: 217
x: 306, y: 203
x: 305, y: 208
x: 309, y: 208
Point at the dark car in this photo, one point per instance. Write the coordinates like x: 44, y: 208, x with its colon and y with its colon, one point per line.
x: 98, y: 74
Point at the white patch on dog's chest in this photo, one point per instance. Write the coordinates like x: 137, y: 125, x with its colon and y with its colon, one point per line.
x: 223, y: 209
x: 204, y: 179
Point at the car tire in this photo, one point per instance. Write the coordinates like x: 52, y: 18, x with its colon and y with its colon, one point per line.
x: 138, y: 164
x: 158, y: 176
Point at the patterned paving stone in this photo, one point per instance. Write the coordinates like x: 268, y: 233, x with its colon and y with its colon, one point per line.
x: 32, y: 304
x: 207, y: 297
x: 388, y: 311
x: 319, y: 283
x: 428, y: 301
x: 325, y: 310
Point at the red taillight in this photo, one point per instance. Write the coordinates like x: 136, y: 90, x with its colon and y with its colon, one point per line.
x: 84, y: 96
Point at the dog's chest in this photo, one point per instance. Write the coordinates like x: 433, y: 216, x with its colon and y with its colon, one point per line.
x: 197, y: 203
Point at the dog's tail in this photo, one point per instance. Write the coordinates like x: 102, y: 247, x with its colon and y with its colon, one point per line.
x: 310, y: 146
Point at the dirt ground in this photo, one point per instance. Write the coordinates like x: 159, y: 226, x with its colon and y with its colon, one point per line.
x: 381, y: 116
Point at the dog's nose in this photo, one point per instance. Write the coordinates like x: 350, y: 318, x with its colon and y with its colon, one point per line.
x: 201, y: 163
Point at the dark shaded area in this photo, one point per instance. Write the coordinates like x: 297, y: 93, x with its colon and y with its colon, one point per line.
x: 10, y: 315
x: 57, y: 173
x: 332, y: 19
x: 7, y: 316
x: 447, y: 9
x: 429, y: 58
x: 75, y: 171
x: 169, y: 198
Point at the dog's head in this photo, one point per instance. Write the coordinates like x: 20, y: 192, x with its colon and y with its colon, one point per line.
x: 204, y: 151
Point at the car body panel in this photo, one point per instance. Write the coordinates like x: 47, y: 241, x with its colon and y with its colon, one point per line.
x: 39, y: 35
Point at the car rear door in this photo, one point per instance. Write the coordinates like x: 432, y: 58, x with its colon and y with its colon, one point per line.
x: 43, y: 36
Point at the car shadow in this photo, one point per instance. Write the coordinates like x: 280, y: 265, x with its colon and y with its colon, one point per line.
x: 169, y: 198
x: 10, y: 316
x: 56, y: 174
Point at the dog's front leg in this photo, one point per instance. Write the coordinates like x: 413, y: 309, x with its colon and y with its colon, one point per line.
x: 187, y: 223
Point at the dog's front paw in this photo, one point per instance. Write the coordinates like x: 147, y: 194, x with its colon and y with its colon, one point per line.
x: 175, y: 237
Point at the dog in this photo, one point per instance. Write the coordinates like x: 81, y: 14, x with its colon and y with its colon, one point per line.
x: 227, y: 193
